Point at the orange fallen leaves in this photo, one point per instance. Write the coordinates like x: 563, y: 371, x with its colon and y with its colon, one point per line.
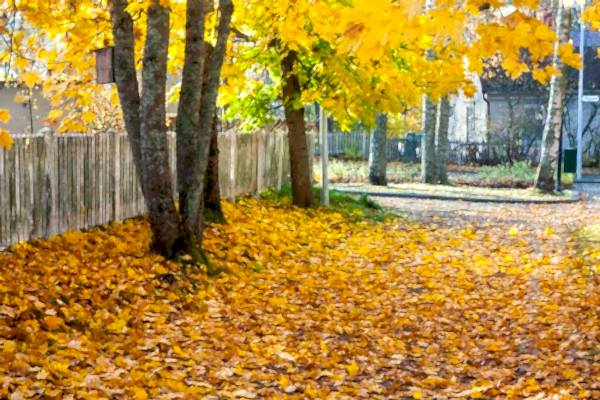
x: 313, y: 306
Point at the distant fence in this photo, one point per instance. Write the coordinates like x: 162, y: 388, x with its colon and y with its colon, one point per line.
x: 356, y: 145
x: 54, y: 183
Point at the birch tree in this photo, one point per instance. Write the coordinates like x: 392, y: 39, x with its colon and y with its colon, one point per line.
x: 547, y: 170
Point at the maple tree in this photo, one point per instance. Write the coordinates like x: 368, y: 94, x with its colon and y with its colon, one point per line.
x: 363, y: 57
x: 61, y: 37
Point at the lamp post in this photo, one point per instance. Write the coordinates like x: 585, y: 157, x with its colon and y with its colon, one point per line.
x: 580, y: 94
x: 324, y: 156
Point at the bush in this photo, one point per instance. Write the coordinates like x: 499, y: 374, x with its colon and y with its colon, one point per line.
x: 520, y: 171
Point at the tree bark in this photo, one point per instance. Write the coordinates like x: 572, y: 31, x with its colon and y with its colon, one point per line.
x: 212, y: 192
x: 547, y: 169
x: 428, y: 164
x: 442, y: 140
x: 302, y: 195
x: 377, y: 152
x: 193, y: 208
x: 188, y: 111
x: 126, y: 80
x: 156, y: 174
x: 145, y: 117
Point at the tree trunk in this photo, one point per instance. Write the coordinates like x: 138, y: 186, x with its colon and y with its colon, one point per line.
x: 188, y: 111
x: 377, y: 153
x: 302, y: 195
x: 156, y: 174
x: 193, y: 208
x: 145, y: 117
x: 212, y: 192
x: 442, y: 140
x: 547, y: 169
x: 126, y: 79
x: 428, y: 164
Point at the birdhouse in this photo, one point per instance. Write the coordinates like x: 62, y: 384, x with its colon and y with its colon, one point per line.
x: 105, y: 71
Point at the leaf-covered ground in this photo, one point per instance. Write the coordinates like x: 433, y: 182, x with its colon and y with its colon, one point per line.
x: 312, y: 306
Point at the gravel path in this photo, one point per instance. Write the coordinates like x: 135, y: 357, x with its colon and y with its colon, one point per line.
x: 560, y: 217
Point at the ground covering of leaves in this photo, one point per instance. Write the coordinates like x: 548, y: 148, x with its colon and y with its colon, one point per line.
x: 313, y: 306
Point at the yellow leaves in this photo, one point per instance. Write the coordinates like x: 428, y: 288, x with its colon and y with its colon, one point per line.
x: 545, y: 33
x: 139, y: 393
x: 54, y: 115
x: 278, y: 301
x: 6, y: 140
x: 570, y: 373
x: 59, y: 368
x: 9, y: 346
x: 514, y: 67
x: 531, y: 4
x: 328, y: 315
x: 435, y: 382
x: 53, y: 322
x: 179, y: 353
x: 88, y: 116
x: 30, y: 78
x: 513, y: 231
x: 494, y: 345
x: 119, y: 325
x: 4, y: 115
x: 353, y: 369
x: 568, y: 56
x: 544, y: 75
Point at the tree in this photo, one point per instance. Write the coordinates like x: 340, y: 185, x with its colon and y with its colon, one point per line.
x: 302, y: 195
x: 443, y: 123
x: 168, y: 37
x: 173, y: 230
x: 547, y: 169
x: 428, y: 152
x: 377, y: 152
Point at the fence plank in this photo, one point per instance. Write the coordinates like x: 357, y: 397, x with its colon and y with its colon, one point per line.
x: 53, y: 183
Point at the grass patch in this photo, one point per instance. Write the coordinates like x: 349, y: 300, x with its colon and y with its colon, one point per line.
x: 518, y: 175
x: 353, y: 207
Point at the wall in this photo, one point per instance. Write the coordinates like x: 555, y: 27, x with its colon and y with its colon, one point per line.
x: 530, y: 115
x: 20, y: 115
x: 468, y: 120
x: 55, y: 183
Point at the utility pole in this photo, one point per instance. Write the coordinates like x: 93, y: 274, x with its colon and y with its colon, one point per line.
x: 580, y: 94
x: 324, y: 156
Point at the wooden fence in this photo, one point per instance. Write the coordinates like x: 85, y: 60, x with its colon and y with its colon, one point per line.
x: 55, y: 183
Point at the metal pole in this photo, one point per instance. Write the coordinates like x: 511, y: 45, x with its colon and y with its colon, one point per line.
x: 324, y: 150
x: 580, y: 96
x: 558, y: 183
